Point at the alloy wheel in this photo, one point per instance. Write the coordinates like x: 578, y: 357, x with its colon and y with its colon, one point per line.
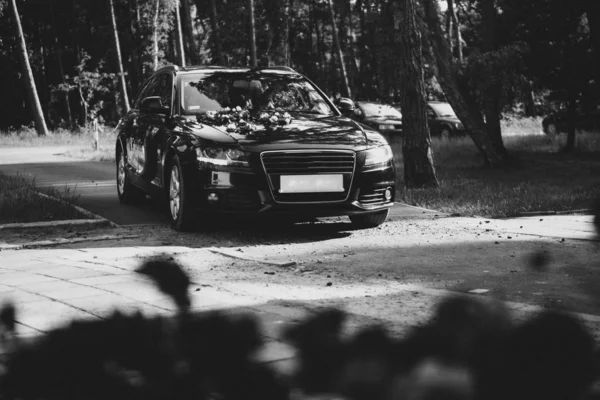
x: 174, y: 193
x: 121, y: 174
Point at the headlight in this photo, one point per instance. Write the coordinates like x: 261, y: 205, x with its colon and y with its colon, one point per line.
x: 221, y: 156
x: 459, y: 126
x: 379, y: 155
x: 386, y: 127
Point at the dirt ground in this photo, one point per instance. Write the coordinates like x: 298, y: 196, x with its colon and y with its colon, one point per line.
x: 440, y: 256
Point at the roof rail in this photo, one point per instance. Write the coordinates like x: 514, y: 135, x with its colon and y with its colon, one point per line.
x: 171, y: 67
x: 275, y: 67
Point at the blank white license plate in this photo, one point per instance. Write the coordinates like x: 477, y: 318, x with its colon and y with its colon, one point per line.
x: 325, y: 183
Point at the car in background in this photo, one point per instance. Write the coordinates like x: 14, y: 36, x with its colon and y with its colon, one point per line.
x: 265, y: 141
x: 382, y: 117
x: 442, y: 120
x: 585, y: 120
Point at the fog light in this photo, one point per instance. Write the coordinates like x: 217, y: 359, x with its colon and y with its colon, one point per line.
x: 212, y: 197
x: 388, y: 193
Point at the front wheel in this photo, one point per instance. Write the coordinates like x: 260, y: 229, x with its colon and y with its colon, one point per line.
x: 127, y: 192
x: 181, y: 207
x: 371, y: 220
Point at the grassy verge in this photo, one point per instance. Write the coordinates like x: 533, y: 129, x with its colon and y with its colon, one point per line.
x: 19, y: 202
x: 538, y: 178
x: 79, y: 144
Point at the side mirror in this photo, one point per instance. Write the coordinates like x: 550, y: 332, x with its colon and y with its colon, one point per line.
x: 345, y: 104
x: 153, y: 105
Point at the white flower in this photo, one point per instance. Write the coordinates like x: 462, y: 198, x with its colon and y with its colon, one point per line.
x: 238, y: 109
x: 287, y: 116
x: 231, y: 127
x: 263, y: 116
x: 273, y: 119
x: 226, y: 109
x: 211, y: 114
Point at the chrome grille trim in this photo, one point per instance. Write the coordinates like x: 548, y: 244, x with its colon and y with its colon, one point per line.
x: 307, y: 162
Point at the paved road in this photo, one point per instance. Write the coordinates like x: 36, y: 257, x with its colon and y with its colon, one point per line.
x: 94, y: 182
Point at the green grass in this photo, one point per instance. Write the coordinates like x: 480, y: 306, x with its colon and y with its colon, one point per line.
x: 539, y: 178
x: 20, y: 203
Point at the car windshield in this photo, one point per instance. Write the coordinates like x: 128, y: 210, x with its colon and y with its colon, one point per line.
x: 216, y: 90
x: 442, y: 109
x: 379, y: 110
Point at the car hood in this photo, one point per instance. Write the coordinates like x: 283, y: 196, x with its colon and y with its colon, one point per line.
x: 301, y: 133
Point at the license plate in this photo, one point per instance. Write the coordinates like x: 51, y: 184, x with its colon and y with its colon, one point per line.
x: 311, y: 183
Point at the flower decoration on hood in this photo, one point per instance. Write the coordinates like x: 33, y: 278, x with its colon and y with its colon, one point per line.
x: 243, y: 121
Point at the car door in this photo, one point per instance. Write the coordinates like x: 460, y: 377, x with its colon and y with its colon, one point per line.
x: 136, y: 152
x: 155, y: 129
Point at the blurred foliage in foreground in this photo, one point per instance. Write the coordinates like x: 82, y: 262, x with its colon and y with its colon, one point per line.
x: 471, y: 349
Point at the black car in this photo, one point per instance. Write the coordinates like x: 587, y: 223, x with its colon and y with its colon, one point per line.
x: 239, y: 140
x: 443, y: 121
x: 379, y: 116
x: 585, y: 120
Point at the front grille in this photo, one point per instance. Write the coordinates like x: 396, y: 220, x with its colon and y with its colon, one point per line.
x: 372, y: 197
x: 305, y: 162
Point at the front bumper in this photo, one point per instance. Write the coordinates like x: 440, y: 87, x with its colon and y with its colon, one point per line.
x: 236, y: 190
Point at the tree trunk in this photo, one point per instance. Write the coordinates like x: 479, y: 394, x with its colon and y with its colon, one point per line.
x: 155, y: 35
x: 32, y: 95
x: 59, y: 63
x: 571, y: 120
x: 455, y: 31
x: 321, y: 59
x: 278, y: 19
x: 215, y: 33
x: 593, y: 17
x: 119, y: 60
x: 339, y: 50
x: 252, y: 35
x: 179, y: 37
x: 188, y: 31
x: 447, y: 75
x: 419, y: 170
x: 492, y: 103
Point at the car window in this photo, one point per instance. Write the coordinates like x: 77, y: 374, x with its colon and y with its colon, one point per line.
x: 164, y: 90
x: 214, y: 91
x: 443, y: 109
x: 379, y: 110
x: 144, y: 92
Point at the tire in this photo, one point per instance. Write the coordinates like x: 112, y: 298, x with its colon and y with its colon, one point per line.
x: 179, y: 198
x: 371, y: 220
x: 127, y: 192
x: 446, y: 132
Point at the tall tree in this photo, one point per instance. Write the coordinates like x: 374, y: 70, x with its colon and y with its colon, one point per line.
x: 419, y: 170
x: 252, y: 34
x: 277, y: 13
x: 338, y: 47
x: 492, y: 92
x: 593, y: 16
x: 32, y: 94
x: 447, y: 74
x: 453, y: 30
x: 214, y: 24
x: 179, y: 36
x: 123, y: 84
x: 155, y: 35
x: 188, y: 30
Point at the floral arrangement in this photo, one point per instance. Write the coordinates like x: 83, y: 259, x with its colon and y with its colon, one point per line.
x: 243, y: 121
